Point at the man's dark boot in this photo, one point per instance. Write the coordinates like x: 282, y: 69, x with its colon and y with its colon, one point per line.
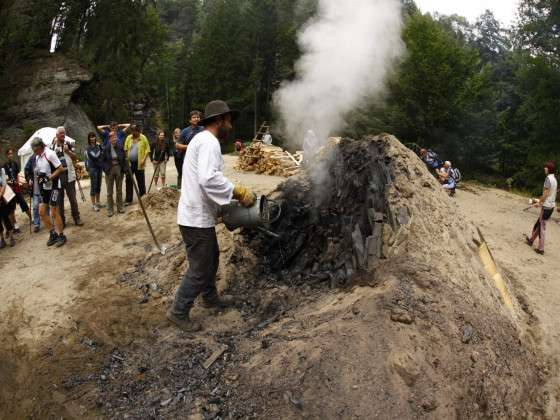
x: 53, y: 238
x: 184, y: 323
x: 218, y: 302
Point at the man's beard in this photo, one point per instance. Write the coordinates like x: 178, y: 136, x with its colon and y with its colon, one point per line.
x: 223, y: 134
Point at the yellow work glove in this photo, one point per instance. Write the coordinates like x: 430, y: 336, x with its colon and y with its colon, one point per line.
x: 244, y: 195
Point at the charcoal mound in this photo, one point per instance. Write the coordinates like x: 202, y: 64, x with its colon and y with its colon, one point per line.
x: 333, y: 223
x: 419, y: 328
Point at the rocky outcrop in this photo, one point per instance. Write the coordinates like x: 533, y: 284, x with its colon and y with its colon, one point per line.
x: 77, y: 123
x: 43, y: 97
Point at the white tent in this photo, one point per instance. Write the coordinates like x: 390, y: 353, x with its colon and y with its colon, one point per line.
x: 47, y: 134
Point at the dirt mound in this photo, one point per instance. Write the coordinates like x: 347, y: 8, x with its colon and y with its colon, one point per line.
x: 162, y: 200
x: 385, y: 310
x: 430, y: 336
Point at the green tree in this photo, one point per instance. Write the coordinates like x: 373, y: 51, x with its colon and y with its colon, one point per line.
x: 539, y: 27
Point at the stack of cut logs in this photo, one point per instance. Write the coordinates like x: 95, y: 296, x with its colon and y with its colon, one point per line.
x: 269, y: 160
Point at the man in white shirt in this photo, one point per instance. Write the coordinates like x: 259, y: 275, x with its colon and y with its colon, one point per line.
x: 65, y: 152
x: 204, y: 189
x: 48, y: 169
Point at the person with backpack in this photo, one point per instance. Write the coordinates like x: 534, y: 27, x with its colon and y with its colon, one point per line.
x: 431, y: 159
x: 35, y: 195
x: 66, y: 154
x: 447, y: 177
x: 48, y: 169
x: 547, y: 202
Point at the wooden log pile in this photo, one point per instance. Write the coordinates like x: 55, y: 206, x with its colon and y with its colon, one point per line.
x: 269, y: 160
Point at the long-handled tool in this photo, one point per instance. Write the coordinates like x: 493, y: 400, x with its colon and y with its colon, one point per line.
x: 154, y: 176
x: 162, y: 249
x: 31, y: 211
x: 81, y: 191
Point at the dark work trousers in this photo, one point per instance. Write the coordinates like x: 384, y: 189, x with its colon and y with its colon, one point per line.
x: 20, y: 199
x: 203, y: 255
x: 95, y: 176
x: 539, y: 229
x: 5, y: 210
x: 140, y: 181
x: 179, y: 159
x: 70, y: 189
x: 114, y: 179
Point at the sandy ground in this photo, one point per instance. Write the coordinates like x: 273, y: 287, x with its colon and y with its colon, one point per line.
x: 41, y: 285
x: 536, y: 278
x: 502, y: 220
x: 38, y: 283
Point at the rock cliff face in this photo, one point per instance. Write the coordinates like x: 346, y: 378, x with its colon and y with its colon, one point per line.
x: 42, y: 96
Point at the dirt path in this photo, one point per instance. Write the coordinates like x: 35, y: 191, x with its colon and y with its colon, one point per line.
x: 38, y: 283
x: 502, y: 220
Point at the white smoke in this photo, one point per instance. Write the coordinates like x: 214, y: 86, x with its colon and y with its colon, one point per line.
x: 349, y: 49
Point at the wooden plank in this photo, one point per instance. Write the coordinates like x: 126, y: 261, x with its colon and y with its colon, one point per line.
x: 212, y: 359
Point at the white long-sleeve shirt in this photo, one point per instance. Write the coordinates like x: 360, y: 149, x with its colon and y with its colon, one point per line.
x: 204, y: 187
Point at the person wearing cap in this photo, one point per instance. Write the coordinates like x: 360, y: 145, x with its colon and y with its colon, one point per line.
x: 203, y: 191
x: 66, y: 154
x: 47, y: 171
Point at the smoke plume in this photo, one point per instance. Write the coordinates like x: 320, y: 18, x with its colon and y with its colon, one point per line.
x: 348, y: 50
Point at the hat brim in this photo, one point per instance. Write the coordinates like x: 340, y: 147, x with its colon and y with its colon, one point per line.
x: 233, y: 112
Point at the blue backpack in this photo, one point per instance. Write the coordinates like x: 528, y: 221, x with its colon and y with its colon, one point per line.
x: 433, y: 160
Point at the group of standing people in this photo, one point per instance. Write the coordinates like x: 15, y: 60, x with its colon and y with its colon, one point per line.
x: 50, y: 175
x: 444, y: 171
x: 121, y: 154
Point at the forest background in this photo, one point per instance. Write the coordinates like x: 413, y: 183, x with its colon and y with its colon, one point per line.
x: 485, y: 96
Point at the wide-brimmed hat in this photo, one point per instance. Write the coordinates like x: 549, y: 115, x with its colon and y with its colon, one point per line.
x: 217, y: 109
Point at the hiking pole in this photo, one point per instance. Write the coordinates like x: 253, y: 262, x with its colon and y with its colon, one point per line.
x: 161, y: 249
x: 81, y: 191
x: 155, y: 174
x: 31, y: 211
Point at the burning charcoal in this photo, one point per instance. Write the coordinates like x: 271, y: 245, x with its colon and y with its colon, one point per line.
x: 339, y: 233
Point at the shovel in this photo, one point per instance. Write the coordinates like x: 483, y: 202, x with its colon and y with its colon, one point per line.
x: 162, y: 249
x: 154, y: 176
